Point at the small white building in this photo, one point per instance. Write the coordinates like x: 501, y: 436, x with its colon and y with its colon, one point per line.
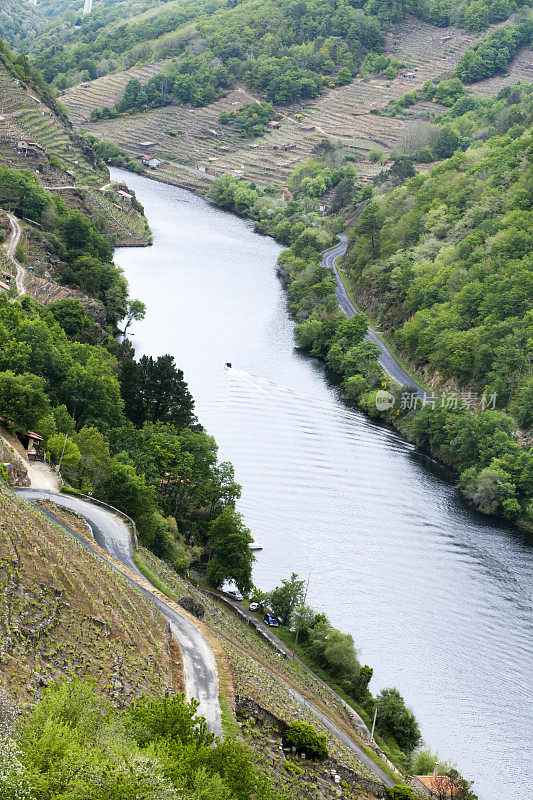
x: 150, y: 161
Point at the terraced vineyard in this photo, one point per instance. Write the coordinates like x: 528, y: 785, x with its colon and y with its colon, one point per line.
x: 106, y: 91
x: 258, y: 670
x: 23, y: 116
x: 66, y: 612
x: 194, y: 136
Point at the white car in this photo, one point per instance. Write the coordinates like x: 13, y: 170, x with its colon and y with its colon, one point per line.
x: 235, y: 594
x: 255, y: 607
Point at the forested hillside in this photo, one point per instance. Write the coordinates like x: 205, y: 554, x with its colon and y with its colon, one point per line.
x: 442, y: 261
x: 446, y: 260
x: 285, y: 50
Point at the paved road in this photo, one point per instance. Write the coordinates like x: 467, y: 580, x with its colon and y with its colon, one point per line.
x: 111, y: 533
x: 344, y: 738
x: 386, y: 359
x: 334, y: 729
x: 280, y: 645
x: 199, y: 663
x: 11, y: 247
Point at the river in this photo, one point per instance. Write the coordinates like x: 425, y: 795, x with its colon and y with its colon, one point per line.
x: 437, y: 598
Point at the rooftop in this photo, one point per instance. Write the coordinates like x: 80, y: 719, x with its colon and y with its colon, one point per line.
x: 440, y: 785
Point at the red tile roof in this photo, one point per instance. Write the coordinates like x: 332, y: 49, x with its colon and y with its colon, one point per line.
x: 438, y: 784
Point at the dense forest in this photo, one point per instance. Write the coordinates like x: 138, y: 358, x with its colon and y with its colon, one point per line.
x: 286, y: 51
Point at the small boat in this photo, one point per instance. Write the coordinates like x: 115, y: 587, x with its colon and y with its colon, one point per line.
x: 255, y: 546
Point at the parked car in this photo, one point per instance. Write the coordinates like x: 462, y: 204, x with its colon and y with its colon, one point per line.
x: 235, y: 594
x: 271, y: 621
x: 255, y: 606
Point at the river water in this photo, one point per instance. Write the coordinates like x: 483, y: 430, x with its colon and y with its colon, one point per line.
x: 437, y: 598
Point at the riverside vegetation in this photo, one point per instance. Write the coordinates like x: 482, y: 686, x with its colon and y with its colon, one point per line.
x: 126, y: 432
x: 443, y: 262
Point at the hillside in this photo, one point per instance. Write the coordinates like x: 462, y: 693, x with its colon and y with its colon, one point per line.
x: 447, y: 266
x: 66, y: 613
x: 194, y: 136
x: 57, y: 155
x: 341, y: 114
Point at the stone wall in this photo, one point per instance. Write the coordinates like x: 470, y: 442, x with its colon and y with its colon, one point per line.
x: 18, y: 474
x: 249, y: 708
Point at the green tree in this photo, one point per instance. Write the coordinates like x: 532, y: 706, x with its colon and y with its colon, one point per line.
x: 423, y: 761
x: 123, y: 488
x: 75, y: 321
x: 306, y: 739
x: 447, y: 142
x: 135, y: 310
x: 394, y: 717
x: 285, y: 598
x: 92, y: 394
x: 170, y: 719
x: 154, y: 390
x: 231, y: 559
x: 63, y: 449
x: 23, y: 399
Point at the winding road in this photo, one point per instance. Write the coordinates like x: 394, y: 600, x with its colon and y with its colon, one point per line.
x: 112, y: 534
x: 201, y: 676
x: 386, y: 359
x: 11, y: 247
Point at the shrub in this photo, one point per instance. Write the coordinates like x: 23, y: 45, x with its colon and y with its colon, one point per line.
x: 401, y: 793
x: 306, y: 740
x: 21, y: 254
x: 423, y: 761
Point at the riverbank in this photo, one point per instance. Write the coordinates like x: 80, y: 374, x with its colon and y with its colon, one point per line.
x: 402, y: 404
x: 427, y: 588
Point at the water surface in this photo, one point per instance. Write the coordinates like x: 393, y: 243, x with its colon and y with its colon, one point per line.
x: 437, y: 598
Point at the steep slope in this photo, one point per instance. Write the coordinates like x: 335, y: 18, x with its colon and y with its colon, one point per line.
x: 66, y: 613
x: 194, y: 135
x: 35, y: 134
